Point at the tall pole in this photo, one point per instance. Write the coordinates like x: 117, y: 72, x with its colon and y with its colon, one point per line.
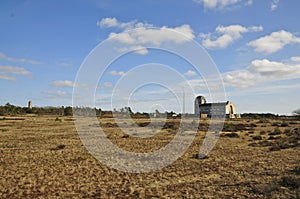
x: 183, y: 101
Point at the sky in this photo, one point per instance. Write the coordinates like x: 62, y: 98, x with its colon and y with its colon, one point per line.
x: 254, y: 45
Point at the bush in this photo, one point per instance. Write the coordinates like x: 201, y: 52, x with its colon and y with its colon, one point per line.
x: 284, y: 124
x: 287, y: 132
x: 274, y: 147
x: 290, y: 182
x: 273, y: 137
x: 296, y: 170
x: 263, y: 121
x: 58, y: 147
x: 257, y: 137
x: 68, y: 111
x: 231, y: 135
x: 57, y: 119
x: 262, y: 132
x: 276, y: 131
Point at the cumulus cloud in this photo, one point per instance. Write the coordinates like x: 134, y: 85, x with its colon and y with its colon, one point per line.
x: 116, y: 73
x: 143, y: 35
x: 190, y: 73
x: 275, y: 70
x: 7, y: 71
x: 137, y: 35
x: 62, y: 83
x: 225, y: 35
x: 262, y: 71
x: 242, y: 78
x: 274, y: 42
x: 219, y: 4
x: 20, y: 60
x: 113, y: 22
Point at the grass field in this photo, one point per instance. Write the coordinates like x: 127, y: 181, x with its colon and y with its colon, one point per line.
x: 42, y: 156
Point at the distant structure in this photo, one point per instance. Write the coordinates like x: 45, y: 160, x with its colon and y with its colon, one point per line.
x: 221, y: 109
x: 30, y: 105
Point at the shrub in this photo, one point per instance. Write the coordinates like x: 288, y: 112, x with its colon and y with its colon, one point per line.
x: 262, y: 132
x: 58, y: 147
x: 274, y: 147
x: 287, y: 132
x: 231, y: 135
x: 125, y: 136
x: 257, y: 137
x: 296, y: 170
x: 271, y: 138
x: 284, y: 124
x: 265, y: 189
x: 275, y: 124
x: 293, y: 123
x: 57, y: 119
x: 276, y: 131
x: 290, y: 182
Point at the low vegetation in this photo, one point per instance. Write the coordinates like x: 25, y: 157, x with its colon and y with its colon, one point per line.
x: 43, y: 157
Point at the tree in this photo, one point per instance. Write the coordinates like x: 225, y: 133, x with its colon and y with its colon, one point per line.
x: 296, y: 112
x: 68, y: 111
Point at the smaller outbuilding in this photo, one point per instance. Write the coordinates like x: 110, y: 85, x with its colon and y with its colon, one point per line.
x: 204, y: 109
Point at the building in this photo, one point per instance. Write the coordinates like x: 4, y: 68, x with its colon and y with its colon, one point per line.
x: 220, y: 109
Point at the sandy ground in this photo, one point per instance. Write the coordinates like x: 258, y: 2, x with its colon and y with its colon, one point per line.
x: 43, y: 157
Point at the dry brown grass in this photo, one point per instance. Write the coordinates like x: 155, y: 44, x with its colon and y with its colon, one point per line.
x: 44, y: 157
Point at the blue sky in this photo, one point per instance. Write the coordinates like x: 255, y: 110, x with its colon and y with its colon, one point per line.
x: 255, y: 45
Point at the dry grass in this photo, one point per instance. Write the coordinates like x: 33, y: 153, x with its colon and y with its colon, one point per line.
x: 44, y: 157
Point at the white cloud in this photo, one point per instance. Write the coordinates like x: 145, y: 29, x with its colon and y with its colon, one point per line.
x: 113, y: 22
x: 274, y: 4
x: 7, y: 71
x: 107, y: 84
x: 116, y: 73
x: 62, y: 83
x: 274, y: 42
x: 137, y: 35
x: 56, y: 94
x: 137, y: 49
x: 275, y: 70
x: 5, y: 76
x: 225, y: 35
x: 219, y: 4
x: 20, y: 60
x: 64, y: 64
x: 295, y: 59
x: 242, y: 78
x: 263, y: 71
x: 143, y: 35
x: 190, y: 73
x: 14, y: 70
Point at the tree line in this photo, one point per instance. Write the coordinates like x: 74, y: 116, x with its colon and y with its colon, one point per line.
x: 10, y: 109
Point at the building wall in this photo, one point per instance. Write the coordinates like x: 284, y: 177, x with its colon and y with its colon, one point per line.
x: 222, y: 109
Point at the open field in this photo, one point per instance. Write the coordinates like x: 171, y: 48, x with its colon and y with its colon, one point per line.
x: 42, y: 156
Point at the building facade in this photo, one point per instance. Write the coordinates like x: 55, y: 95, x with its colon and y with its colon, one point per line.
x: 220, y: 109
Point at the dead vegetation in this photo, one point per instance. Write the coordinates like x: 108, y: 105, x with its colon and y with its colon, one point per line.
x: 42, y: 157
